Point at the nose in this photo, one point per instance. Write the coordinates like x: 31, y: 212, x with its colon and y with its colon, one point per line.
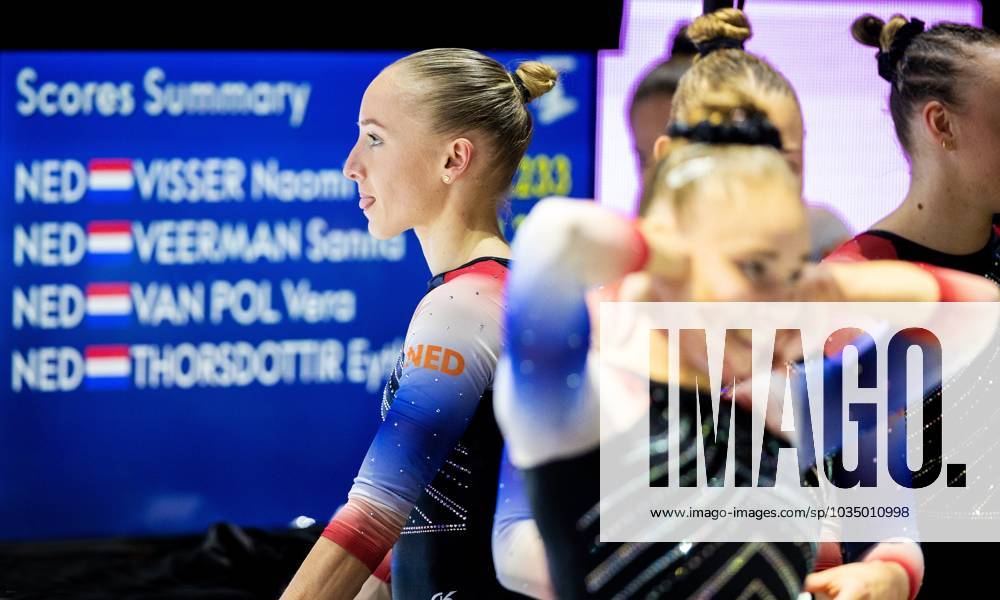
x: 353, y: 168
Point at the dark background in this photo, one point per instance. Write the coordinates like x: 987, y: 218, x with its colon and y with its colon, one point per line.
x: 484, y: 26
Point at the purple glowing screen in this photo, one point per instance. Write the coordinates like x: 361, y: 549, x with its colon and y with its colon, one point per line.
x: 853, y: 163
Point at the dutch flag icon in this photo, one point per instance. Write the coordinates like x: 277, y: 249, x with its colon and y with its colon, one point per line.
x: 109, y: 304
x: 107, y: 367
x: 110, y: 179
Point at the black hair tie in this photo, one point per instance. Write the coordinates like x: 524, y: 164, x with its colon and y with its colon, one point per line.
x: 521, y: 88
x: 720, y: 43
x: 887, y: 61
x: 754, y: 130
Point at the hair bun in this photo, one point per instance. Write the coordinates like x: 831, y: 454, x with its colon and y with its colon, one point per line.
x: 892, y: 39
x: 723, y: 28
x: 867, y: 29
x: 537, y: 78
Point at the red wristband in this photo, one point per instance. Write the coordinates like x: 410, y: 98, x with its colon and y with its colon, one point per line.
x: 911, y: 574
x: 356, y: 545
x: 640, y: 247
x: 904, y: 554
x: 384, y: 570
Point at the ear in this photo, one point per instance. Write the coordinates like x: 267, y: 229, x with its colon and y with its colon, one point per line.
x: 660, y: 147
x: 937, y: 122
x: 458, y: 158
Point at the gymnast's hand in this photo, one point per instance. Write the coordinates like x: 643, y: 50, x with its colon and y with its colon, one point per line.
x: 820, y: 283
x: 871, y: 580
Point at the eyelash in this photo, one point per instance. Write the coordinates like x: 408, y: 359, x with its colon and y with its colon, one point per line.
x: 753, y: 269
x: 373, y: 140
x: 755, y: 272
